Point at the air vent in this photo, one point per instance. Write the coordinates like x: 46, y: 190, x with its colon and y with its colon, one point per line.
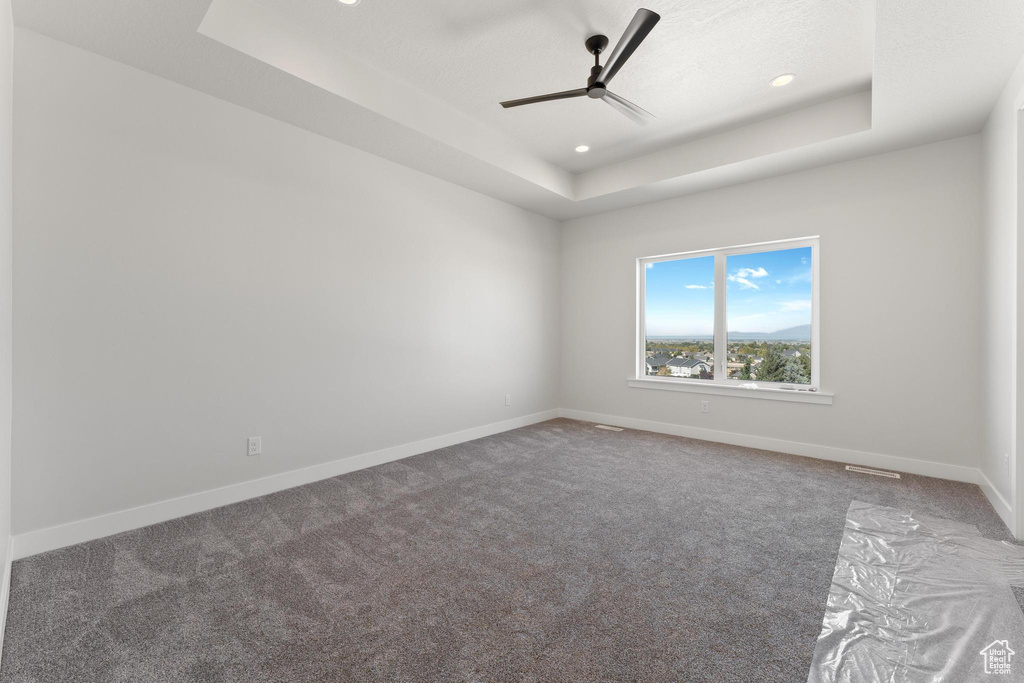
x: 610, y: 429
x: 877, y: 473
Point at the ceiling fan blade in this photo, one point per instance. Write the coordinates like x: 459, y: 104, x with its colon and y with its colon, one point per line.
x: 565, y: 94
x: 642, y: 23
x: 634, y: 112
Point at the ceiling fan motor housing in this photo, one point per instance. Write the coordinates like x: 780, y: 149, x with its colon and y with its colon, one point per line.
x: 594, y: 89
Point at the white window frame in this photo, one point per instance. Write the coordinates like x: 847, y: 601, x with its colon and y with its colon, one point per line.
x: 722, y: 384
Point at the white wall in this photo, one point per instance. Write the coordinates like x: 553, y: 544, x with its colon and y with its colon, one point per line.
x: 181, y: 288
x: 1001, y: 266
x: 190, y: 273
x: 6, y: 283
x: 900, y: 260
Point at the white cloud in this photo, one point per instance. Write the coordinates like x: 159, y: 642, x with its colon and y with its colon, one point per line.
x: 696, y: 286
x: 649, y: 265
x: 743, y: 282
x: 751, y: 272
x: 743, y: 275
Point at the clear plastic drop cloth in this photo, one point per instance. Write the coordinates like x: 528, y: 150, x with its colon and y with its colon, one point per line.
x: 920, y: 599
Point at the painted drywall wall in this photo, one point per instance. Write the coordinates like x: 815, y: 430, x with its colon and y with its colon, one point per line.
x: 6, y: 284
x: 191, y: 273
x: 900, y: 260
x: 1000, y: 272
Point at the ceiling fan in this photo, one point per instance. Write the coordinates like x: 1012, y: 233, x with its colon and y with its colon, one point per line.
x: 597, y: 85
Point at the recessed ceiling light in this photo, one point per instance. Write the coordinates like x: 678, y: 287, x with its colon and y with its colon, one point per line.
x: 784, y: 79
x: 349, y: 2
x: 582, y: 148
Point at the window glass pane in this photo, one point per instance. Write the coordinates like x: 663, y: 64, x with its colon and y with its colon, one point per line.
x: 768, y: 314
x: 679, y: 310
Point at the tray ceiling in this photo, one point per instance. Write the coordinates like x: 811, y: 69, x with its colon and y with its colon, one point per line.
x: 419, y: 83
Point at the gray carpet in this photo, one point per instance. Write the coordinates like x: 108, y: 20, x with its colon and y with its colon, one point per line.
x: 553, y: 552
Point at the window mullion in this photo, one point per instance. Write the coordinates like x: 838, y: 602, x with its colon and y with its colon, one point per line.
x: 641, y: 319
x: 721, y: 344
x: 815, y: 317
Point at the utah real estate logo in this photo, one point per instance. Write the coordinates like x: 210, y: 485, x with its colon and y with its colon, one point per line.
x: 997, y: 655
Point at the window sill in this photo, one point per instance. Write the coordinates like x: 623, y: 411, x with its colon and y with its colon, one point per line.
x: 768, y: 393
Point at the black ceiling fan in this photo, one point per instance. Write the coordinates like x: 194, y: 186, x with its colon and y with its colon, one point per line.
x: 597, y: 85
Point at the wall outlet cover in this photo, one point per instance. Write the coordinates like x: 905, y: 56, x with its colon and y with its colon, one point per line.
x: 255, y: 445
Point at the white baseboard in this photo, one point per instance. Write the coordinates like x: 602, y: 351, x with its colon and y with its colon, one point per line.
x: 863, y: 458
x: 5, y: 590
x: 996, y: 500
x: 42, y: 540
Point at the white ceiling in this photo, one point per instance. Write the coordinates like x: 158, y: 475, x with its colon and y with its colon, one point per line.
x: 419, y: 82
x: 706, y: 64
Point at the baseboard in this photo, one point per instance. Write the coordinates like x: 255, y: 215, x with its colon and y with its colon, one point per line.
x: 42, y: 540
x: 996, y: 500
x: 852, y: 457
x: 5, y: 590
x: 34, y: 542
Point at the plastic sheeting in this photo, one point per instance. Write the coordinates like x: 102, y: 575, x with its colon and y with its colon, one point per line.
x: 917, y: 599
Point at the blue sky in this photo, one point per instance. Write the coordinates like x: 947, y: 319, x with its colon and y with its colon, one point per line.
x: 680, y: 297
x: 765, y: 292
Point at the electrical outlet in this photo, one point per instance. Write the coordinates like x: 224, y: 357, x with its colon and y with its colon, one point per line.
x: 705, y: 406
x: 255, y: 445
x: 508, y: 399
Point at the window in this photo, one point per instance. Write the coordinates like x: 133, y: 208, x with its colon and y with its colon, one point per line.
x: 743, y: 317
x: 680, y: 315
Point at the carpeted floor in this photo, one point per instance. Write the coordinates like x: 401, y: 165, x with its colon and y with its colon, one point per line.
x: 552, y: 552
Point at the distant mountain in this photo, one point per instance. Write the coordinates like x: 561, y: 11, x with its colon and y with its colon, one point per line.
x: 798, y: 333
